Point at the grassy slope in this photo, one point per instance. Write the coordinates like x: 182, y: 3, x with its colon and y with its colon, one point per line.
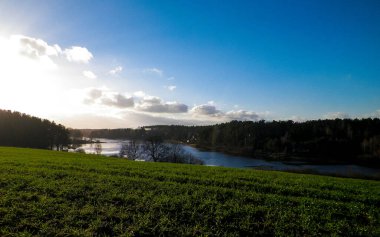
x: 56, y: 193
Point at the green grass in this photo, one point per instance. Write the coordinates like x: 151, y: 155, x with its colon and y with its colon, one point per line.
x: 51, y: 193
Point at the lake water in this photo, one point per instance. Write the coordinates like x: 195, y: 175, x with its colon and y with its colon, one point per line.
x: 109, y: 147
x: 212, y: 158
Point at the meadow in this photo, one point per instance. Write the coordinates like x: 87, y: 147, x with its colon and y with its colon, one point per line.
x: 49, y: 193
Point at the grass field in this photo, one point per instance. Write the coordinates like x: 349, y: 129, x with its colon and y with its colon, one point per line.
x: 64, y: 194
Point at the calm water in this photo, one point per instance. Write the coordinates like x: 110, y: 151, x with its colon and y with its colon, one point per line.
x: 109, y: 147
x: 212, y: 158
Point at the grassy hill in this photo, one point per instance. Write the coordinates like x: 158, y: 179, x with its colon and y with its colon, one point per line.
x: 55, y: 193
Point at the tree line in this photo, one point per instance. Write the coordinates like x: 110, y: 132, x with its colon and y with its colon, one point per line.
x: 342, y: 140
x: 22, y: 130
x: 155, y: 149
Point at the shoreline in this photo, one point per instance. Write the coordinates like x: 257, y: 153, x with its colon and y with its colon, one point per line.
x: 285, y: 158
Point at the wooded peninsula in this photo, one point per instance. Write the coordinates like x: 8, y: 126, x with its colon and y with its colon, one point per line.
x: 324, y: 141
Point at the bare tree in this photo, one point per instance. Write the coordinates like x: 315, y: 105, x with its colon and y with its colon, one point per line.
x: 98, y: 147
x: 130, y: 150
x: 175, y: 154
x: 155, y: 148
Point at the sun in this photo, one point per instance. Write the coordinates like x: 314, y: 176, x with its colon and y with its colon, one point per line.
x: 25, y: 81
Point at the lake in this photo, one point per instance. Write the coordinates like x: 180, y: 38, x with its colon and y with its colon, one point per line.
x: 213, y: 158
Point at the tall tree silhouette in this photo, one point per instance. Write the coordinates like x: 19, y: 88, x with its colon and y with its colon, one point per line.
x: 22, y: 130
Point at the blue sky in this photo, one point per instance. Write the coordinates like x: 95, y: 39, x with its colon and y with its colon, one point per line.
x: 193, y: 62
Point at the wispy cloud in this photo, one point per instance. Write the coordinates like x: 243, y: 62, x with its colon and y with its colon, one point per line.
x: 140, y: 94
x: 118, y: 100
x: 336, y: 115
x: 116, y: 70
x: 95, y: 93
x: 376, y: 114
x: 106, y: 97
x: 141, y: 102
x: 297, y: 118
x: 89, y: 74
x: 171, y: 88
x: 210, y: 111
x: 156, y: 105
x: 242, y: 115
x: 154, y: 71
x: 92, y: 95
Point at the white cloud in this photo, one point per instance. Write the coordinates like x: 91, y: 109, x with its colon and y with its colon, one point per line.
x: 151, y: 100
x: 31, y: 48
x: 377, y: 114
x: 155, y: 71
x: 118, y: 100
x: 139, y: 94
x: 242, y: 115
x: 297, y: 118
x: 78, y: 54
x: 89, y: 74
x: 171, y: 88
x: 156, y: 105
x: 106, y: 97
x: 150, y: 104
x: 205, y: 109
x: 116, y: 70
x: 92, y: 95
x: 336, y: 115
x: 39, y: 49
x: 32, y: 77
x: 209, y: 111
x: 35, y: 48
x: 95, y: 93
x: 127, y: 119
x: 151, y: 108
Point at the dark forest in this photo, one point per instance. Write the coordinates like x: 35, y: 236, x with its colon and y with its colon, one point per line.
x: 338, y: 140
x: 22, y: 130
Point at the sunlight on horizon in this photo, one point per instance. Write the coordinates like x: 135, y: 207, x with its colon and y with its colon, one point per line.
x: 44, y: 80
x: 312, y: 61
x: 25, y: 81
x: 32, y: 82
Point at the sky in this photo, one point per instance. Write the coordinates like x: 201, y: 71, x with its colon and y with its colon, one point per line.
x: 116, y: 64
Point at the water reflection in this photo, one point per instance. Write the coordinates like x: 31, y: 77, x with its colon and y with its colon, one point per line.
x: 109, y: 147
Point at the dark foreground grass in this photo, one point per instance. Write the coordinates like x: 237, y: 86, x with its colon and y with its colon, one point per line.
x: 61, y: 194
